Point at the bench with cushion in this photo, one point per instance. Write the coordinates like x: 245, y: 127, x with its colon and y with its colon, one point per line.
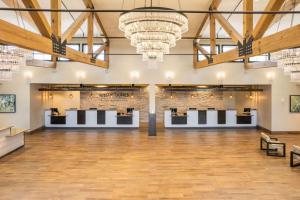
x: 272, y: 146
x: 295, y: 156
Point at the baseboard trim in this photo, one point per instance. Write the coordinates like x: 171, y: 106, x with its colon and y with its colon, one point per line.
x: 277, y: 132
x: 36, y: 130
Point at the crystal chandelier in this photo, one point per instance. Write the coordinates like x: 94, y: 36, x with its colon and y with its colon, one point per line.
x: 153, y: 33
x: 11, y: 58
x: 288, y: 60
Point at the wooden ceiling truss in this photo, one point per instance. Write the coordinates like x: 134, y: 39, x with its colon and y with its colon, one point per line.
x: 252, y: 42
x: 51, y: 40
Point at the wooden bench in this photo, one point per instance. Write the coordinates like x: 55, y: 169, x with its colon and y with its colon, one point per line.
x: 272, y: 146
x: 295, y: 156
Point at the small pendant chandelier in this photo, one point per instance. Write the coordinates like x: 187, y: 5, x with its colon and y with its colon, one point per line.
x: 153, y: 33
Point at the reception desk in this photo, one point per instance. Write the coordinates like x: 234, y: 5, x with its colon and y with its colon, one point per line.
x: 210, y: 119
x: 11, y: 139
x: 93, y: 119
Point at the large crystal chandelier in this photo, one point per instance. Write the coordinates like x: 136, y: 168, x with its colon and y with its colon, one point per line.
x: 153, y: 33
x: 11, y: 58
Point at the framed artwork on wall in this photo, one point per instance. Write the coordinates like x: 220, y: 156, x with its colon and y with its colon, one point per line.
x: 295, y: 103
x: 7, y: 103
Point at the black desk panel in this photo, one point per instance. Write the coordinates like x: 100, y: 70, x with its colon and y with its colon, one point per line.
x: 58, y: 120
x: 202, y: 117
x: 124, y: 119
x: 80, y: 116
x: 179, y: 119
x: 101, y: 117
x: 221, y: 116
x: 244, y: 119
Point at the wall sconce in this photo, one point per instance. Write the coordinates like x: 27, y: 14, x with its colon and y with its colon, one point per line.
x: 169, y: 75
x: 81, y: 75
x: 134, y: 75
x: 28, y: 75
x: 221, y: 76
x: 50, y: 96
x: 71, y: 96
x: 270, y: 76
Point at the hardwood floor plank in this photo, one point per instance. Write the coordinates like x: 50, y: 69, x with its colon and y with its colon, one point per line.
x: 127, y: 164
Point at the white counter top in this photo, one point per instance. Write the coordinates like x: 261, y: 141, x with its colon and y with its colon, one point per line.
x: 111, y: 119
x: 211, y: 119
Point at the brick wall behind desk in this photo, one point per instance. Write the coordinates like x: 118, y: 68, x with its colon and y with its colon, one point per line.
x: 117, y: 100
x: 199, y: 100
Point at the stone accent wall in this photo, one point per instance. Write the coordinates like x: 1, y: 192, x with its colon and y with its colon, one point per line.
x: 201, y: 100
x: 117, y: 100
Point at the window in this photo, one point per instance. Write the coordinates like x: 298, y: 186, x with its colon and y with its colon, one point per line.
x: 226, y: 48
x: 260, y: 58
x: 207, y: 48
x: 72, y: 46
x: 95, y: 47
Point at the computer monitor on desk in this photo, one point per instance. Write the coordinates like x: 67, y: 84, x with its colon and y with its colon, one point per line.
x: 247, y: 110
x: 54, y: 111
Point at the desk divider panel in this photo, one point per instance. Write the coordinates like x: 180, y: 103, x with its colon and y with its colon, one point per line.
x: 80, y: 116
x: 221, y: 116
x: 202, y: 117
x: 101, y: 117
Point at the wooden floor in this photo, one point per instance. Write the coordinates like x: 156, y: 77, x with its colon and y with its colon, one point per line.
x: 118, y: 164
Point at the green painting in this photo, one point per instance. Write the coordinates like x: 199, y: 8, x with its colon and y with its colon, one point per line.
x: 295, y: 103
x: 7, y: 103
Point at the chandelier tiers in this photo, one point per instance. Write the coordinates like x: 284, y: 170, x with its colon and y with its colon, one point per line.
x: 11, y: 58
x: 288, y: 60
x: 153, y: 33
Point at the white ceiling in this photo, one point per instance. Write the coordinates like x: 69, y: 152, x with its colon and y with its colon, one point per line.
x: 110, y: 20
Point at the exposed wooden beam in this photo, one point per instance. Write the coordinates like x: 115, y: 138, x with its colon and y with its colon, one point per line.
x: 204, y: 22
x: 39, y: 18
x: 90, y: 39
x: 73, y: 28
x: 56, y: 18
x: 99, y: 51
x: 265, y: 20
x: 24, y: 15
x: 203, y: 51
x: 14, y: 35
x: 282, y: 40
x: 234, y: 34
x: 101, y: 27
x: 55, y: 22
x: 247, y: 24
x: 248, y: 19
x: 212, y: 34
x: 89, y: 4
x: 288, y: 6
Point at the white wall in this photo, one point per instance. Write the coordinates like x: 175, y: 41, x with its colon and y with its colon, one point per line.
x: 21, y: 88
x: 182, y: 66
x: 36, y: 108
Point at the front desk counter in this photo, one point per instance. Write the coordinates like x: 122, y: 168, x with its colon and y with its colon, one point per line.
x: 210, y: 119
x: 93, y: 119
